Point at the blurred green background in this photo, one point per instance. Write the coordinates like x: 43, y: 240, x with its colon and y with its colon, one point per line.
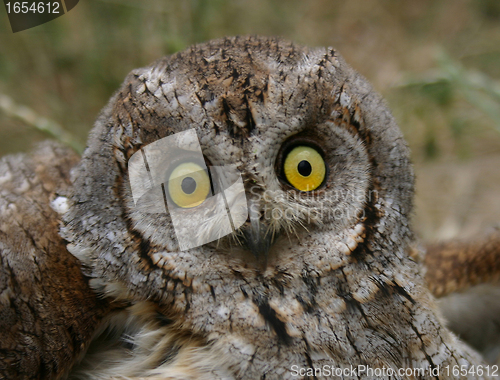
x: 437, y: 62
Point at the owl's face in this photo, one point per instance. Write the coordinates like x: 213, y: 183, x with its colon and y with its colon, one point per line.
x: 327, y: 181
x: 299, y: 180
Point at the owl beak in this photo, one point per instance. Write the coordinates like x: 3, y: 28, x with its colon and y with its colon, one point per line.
x: 258, y: 239
x: 257, y: 236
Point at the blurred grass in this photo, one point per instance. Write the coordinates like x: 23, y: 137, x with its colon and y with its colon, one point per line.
x: 437, y: 62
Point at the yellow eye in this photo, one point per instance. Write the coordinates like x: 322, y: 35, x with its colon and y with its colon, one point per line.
x: 188, y: 185
x: 304, y: 168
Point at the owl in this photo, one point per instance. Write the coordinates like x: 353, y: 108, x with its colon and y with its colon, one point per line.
x: 242, y: 211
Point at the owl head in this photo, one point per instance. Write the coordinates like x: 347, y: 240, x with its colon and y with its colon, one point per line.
x: 324, y: 172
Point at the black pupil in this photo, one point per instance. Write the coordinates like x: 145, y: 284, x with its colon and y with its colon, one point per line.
x: 304, y: 168
x: 188, y: 185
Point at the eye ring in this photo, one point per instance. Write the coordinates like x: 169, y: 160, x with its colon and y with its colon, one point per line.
x: 188, y: 185
x: 304, y: 168
x: 301, y: 165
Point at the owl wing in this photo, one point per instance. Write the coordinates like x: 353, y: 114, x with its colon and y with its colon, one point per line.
x: 48, y: 312
x: 465, y: 276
